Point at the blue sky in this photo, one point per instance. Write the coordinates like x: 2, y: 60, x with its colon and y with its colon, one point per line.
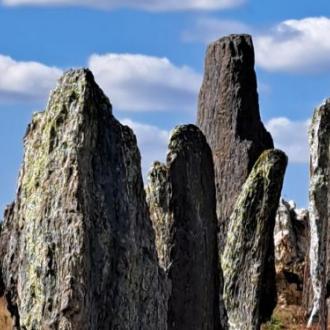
x: 148, y: 57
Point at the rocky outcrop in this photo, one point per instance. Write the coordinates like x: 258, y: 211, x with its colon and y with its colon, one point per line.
x: 77, y: 247
x: 319, y: 139
x: 248, y: 253
x: 229, y: 117
x: 291, y: 238
x: 181, y: 198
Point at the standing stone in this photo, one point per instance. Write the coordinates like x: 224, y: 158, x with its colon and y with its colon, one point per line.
x: 291, y: 251
x: 229, y: 117
x: 158, y: 199
x: 247, y: 251
x: 319, y: 140
x: 181, y: 198
x: 291, y: 233
x: 77, y: 247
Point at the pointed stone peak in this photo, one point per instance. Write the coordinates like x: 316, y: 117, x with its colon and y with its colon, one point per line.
x: 324, y: 103
x: 77, y: 247
x: 76, y: 89
x: 74, y: 75
x: 76, y: 93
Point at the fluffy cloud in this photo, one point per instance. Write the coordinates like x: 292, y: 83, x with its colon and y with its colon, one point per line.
x: 291, y: 137
x: 133, y: 82
x: 299, y: 46
x: 150, y: 5
x: 145, y: 83
x: 296, y: 46
x: 25, y: 81
x: 152, y: 142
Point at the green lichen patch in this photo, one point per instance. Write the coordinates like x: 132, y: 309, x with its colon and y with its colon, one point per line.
x: 249, y: 246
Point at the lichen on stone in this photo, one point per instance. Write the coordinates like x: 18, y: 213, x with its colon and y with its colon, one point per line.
x: 247, y: 254
x: 319, y: 254
x: 77, y: 248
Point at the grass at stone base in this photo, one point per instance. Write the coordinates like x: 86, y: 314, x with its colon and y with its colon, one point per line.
x: 287, y: 318
x: 5, y: 318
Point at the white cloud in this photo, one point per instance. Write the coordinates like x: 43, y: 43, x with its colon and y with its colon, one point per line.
x: 152, y: 142
x: 291, y: 137
x: 133, y: 82
x: 208, y: 29
x: 150, y: 5
x: 295, y: 46
x: 146, y: 83
x: 25, y: 81
x: 298, y: 46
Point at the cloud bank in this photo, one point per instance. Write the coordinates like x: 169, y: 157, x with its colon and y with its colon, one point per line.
x: 146, y: 83
x: 149, y: 5
x: 295, y: 46
x: 133, y: 82
x: 25, y: 81
x: 291, y: 137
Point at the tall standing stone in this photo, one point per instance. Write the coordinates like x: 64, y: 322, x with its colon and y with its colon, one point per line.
x: 229, y: 117
x: 181, y: 198
x: 319, y: 139
x: 247, y: 251
x: 77, y: 247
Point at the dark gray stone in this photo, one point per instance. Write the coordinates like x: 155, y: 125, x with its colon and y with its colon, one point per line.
x: 229, y: 117
x: 181, y: 198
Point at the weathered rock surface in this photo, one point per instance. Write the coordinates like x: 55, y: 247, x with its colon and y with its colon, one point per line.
x: 248, y: 251
x: 181, y: 198
x: 229, y: 117
x: 319, y: 139
x: 77, y: 247
x: 291, y: 237
x: 158, y: 199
